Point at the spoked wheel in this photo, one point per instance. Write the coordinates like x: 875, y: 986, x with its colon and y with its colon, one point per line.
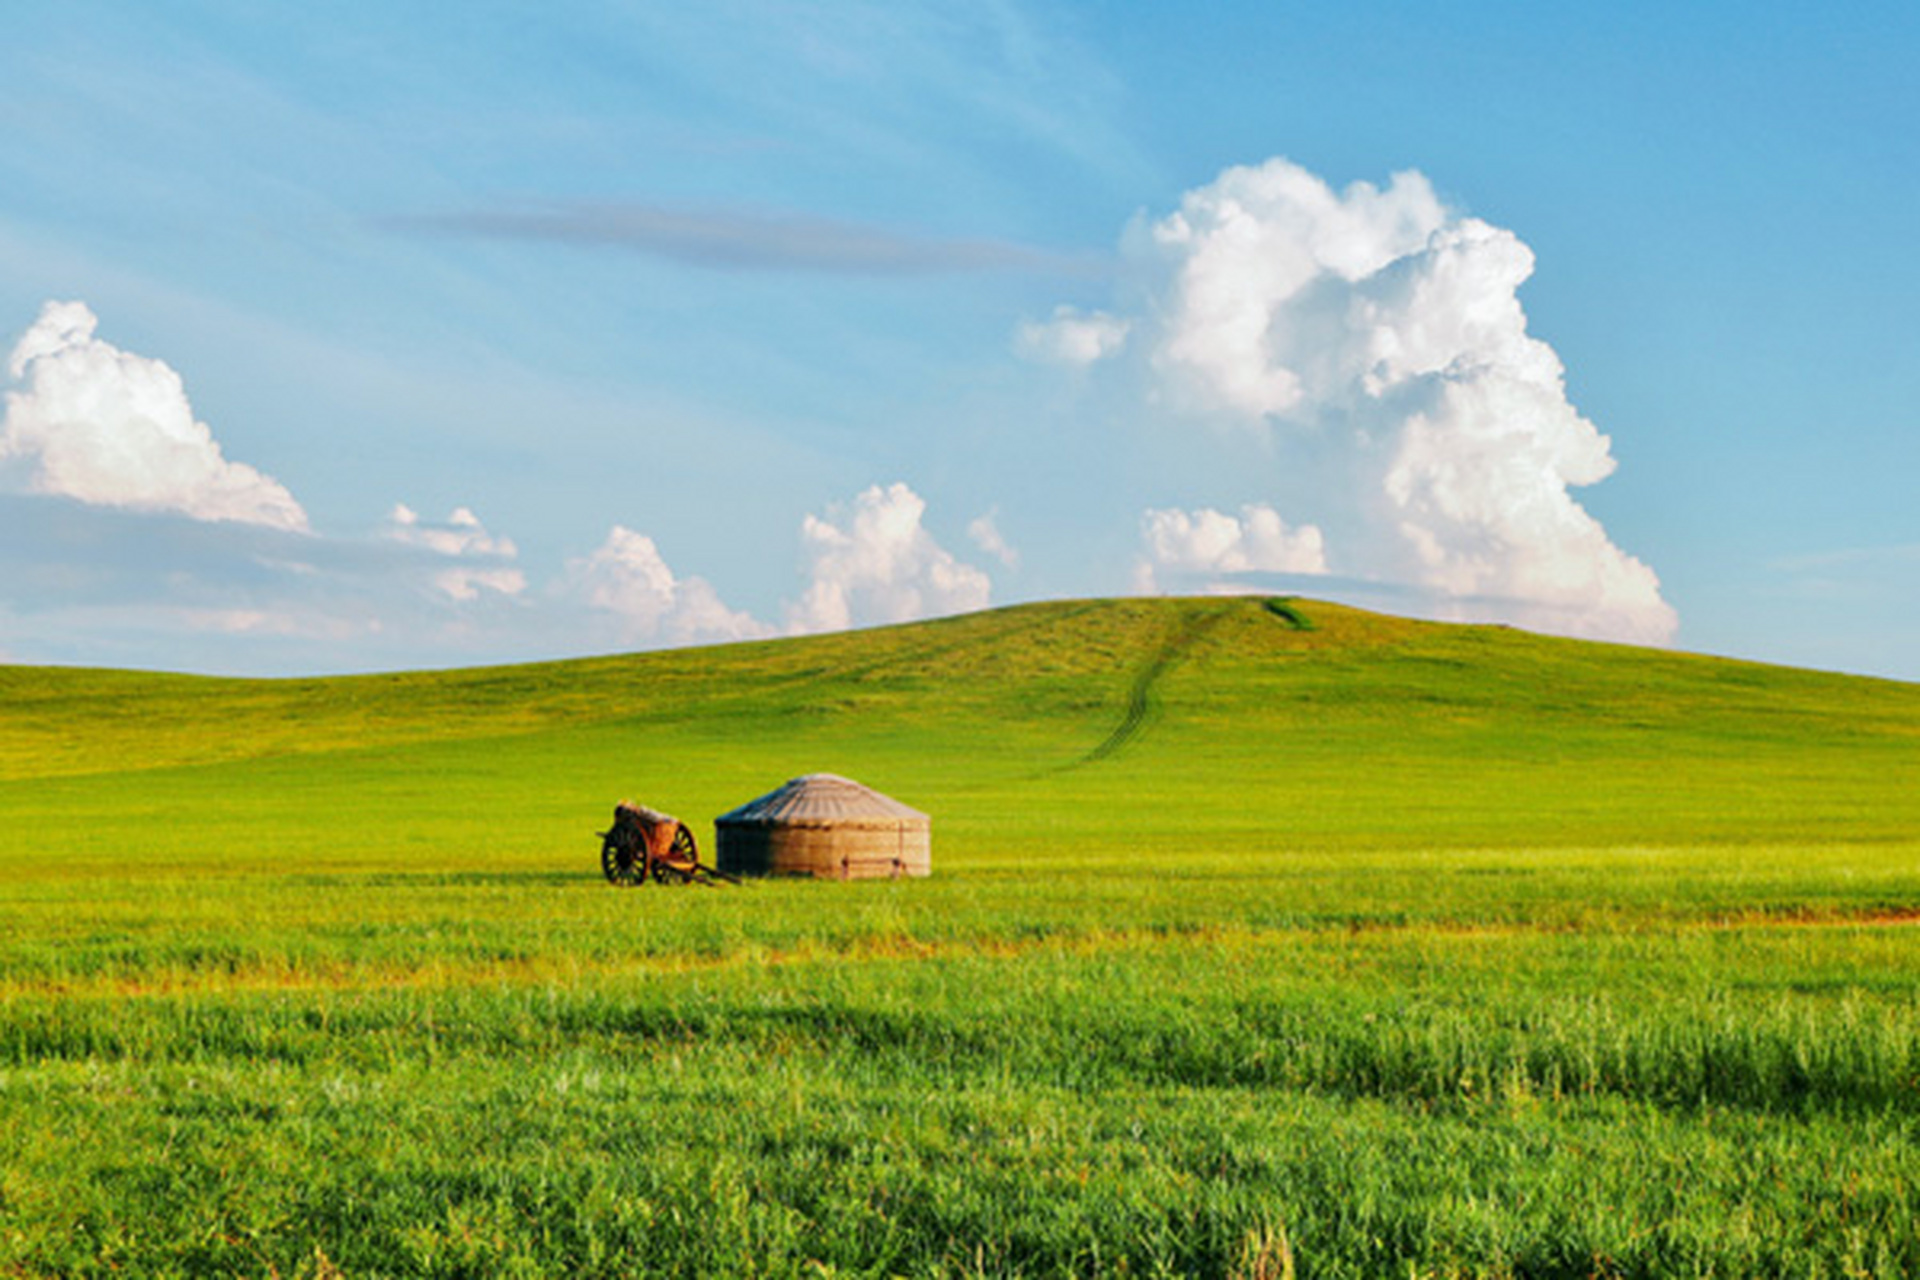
x: 682, y: 859
x: 682, y: 849
x: 619, y: 865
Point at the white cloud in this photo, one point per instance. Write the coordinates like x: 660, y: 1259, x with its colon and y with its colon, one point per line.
x: 1378, y: 340
x: 465, y: 539
x: 111, y: 428
x: 1071, y: 337
x: 1260, y: 269
x: 461, y: 535
x: 877, y: 564
x: 467, y: 583
x: 1209, y: 542
x: 984, y: 530
x: 627, y: 579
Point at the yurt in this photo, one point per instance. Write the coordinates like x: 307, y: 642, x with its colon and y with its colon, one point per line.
x: 827, y: 826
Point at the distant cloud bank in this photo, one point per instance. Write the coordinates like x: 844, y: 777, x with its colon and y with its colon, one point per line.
x: 1377, y: 339
x: 126, y: 516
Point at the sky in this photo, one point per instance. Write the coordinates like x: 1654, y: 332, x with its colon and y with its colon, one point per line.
x: 351, y: 338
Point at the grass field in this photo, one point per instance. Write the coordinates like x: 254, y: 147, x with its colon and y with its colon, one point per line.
x: 1263, y: 939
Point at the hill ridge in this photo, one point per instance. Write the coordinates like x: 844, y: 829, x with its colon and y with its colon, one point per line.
x: 1094, y: 666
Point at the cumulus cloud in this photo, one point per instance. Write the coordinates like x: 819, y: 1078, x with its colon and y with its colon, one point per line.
x: 874, y: 563
x: 1377, y: 338
x: 1071, y: 337
x: 115, y: 429
x: 483, y: 561
x: 627, y: 579
x: 1208, y: 543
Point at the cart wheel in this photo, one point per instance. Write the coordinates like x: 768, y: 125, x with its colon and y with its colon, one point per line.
x: 682, y: 862
x: 619, y: 865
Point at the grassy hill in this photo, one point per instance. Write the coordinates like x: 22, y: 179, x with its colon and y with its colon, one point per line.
x: 1174, y: 716
x: 1258, y: 931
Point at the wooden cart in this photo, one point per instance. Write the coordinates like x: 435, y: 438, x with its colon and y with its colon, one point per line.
x: 645, y: 844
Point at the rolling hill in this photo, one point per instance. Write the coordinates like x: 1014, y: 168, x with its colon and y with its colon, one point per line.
x: 1218, y: 723
x: 1264, y: 937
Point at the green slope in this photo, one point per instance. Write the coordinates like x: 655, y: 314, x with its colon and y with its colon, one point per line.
x: 1254, y: 934
x: 1199, y: 723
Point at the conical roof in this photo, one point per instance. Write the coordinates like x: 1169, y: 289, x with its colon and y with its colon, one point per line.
x: 824, y: 800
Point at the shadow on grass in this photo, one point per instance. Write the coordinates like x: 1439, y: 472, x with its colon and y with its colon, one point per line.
x: 586, y: 875
x: 1284, y: 609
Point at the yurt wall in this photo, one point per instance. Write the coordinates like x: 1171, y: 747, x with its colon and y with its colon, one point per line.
x: 826, y: 826
x: 838, y: 852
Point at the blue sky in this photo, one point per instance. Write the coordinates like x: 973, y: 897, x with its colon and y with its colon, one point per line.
x: 386, y: 338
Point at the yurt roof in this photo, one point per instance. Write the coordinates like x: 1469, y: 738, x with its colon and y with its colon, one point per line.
x: 825, y: 800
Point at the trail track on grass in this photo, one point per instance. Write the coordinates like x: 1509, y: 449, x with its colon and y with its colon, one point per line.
x: 1177, y: 645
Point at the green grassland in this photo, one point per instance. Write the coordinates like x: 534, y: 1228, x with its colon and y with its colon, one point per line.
x: 1263, y: 938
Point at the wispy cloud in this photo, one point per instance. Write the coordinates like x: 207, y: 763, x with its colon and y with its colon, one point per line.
x: 482, y: 562
x: 1903, y: 556
x: 1071, y: 337
x: 750, y: 240
x: 1879, y: 576
x: 984, y: 530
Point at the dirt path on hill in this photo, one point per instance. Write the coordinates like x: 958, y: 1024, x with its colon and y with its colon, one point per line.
x: 1140, y: 697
